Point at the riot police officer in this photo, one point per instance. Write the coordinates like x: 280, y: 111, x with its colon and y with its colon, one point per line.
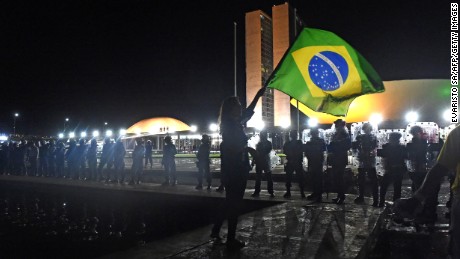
x: 394, y: 155
x: 168, y: 161
x: 106, y: 157
x: 314, y: 151
x: 137, y: 167
x: 293, y: 149
x: 338, y: 157
x: 119, y: 153
x: 417, y: 153
x: 263, y: 148
x: 418, y: 165
x: 81, y: 157
x: 203, y: 162
x: 91, y: 157
x: 366, y: 145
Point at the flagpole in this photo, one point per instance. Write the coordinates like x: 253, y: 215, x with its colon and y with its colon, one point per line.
x: 298, y: 112
x: 234, y: 52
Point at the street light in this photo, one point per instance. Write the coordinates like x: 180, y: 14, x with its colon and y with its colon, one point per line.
x: 285, y: 123
x: 446, y: 115
x: 312, y: 122
x: 95, y: 134
x: 61, y: 135
x: 213, y: 127
x: 72, y: 135
x: 108, y: 133
x: 122, y: 132
x: 411, y: 116
x: 193, y: 128
x: 260, y: 125
x: 83, y: 134
x: 65, y: 123
x: 375, y: 119
x: 14, y: 122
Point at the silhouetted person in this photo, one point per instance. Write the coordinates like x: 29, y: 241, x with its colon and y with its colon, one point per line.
x: 72, y: 158
x: 21, y: 156
x: 138, y: 159
x: 394, y: 155
x: 10, y: 151
x: 203, y: 162
x: 81, y: 158
x: 338, y: 157
x: 91, y: 158
x: 314, y: 151
x: 106, y: 158
x: 15, y: 158
x: 3, y: 157
x: 148, y: 153
x: 119, y: 153
x: 234, y: 163
x: 51, y: 158
x: 448, y: 160
x: 263, y: 148
x: 60, y: 159
x: 32, y: 157
x: 417, y: 154
x: 42, y: 158
x: 366, y: 145
x: 169, y: 162
x: 293, y: 149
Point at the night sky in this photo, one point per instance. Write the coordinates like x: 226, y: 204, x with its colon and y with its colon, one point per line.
x: 123, y: 61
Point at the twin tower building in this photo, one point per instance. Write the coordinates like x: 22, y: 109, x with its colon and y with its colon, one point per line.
x: 267, y: 39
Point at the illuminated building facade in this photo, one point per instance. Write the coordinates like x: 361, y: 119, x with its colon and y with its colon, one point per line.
x: 267, y: 39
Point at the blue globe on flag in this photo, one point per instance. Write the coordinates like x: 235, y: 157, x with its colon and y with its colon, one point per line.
x: 328, y: 70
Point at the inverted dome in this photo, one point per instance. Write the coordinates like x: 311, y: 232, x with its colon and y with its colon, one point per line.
x: 429, y: 97
x: 160, y: 125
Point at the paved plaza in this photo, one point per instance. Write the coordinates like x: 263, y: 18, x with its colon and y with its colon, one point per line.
x: 285, y: 228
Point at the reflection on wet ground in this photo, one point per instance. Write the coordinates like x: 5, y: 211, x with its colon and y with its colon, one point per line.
x: 294, y: 229
x: 63, y: 221
x: 62, y: 218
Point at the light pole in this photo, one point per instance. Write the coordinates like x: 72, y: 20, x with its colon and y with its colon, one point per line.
x: 104, y: 128
x: 65, y: 123
x: 14, y: 122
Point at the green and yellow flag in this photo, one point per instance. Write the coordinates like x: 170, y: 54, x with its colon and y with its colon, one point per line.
x: 324, y: 72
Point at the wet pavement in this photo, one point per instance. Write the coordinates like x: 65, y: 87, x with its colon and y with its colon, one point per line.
x: 285, y: 228
x: 289, y: 230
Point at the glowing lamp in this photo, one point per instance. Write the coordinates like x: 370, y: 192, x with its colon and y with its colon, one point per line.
x: 260, y: 125
x: 411, y: 116
x: 193, y: 128
x: 312, y: 122
x: 285, y: 123
x: 213, y: 127
x: 376, y: 118
x: 446, y: 114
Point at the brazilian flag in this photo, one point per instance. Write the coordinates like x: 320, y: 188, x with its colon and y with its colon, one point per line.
x: 324, y: 72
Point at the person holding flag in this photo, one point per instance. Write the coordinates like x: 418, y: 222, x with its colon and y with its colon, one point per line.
x: 235, y: 165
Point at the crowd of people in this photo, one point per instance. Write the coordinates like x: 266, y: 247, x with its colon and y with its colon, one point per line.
x: 48, y: 158
x: 79, y: 161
